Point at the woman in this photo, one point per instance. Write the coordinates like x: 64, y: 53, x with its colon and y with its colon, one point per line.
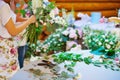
x: 8, y: 47
x: 22, y: 47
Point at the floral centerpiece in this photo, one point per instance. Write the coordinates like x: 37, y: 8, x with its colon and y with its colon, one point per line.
x: 62, y: 39
x: 101, y: 42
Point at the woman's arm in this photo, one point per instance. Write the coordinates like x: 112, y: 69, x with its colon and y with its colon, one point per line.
x: 20, y: 19
x: 14, y: 30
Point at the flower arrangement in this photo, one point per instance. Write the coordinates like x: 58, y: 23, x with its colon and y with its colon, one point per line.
x: 47, y: 15
x: 62, y: 39
x: 101, y: 42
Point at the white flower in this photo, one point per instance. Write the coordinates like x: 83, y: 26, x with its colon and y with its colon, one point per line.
x: 108, y: 46
x: 60, y: 40
x: 51, y: 21
x: 106, y: 40
x: 99, y: 43
x: 55, y: 42
x: 52, y: 15
x: 45, y: 46
x: 103, y: 36
x: 48, y: 43
x: 36, y: 4
x: 44, y: 50
x: 55, y: 11
x: 89, y: 41
x: 111, y: 42
x: 57, y: 35
x: 101, y: 60
x: 69, y: 44
x: 73, y: 35
x: 45, y: 1
x: 58, y: 44
x: 96, y: 40
x: 65, y: 32
x: 32, y: 58
x: 44, y: 6
x: 58, y: 29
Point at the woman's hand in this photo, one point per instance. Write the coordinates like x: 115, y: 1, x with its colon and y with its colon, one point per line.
x: 32, y: 19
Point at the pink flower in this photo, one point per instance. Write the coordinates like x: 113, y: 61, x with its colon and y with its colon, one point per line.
x: 25, y: 6
x: 116, y: 59
x: 14, y: 67
x: 4, y: 67
x: 103, y: 20
x: 70, y: 44
x: 13, y: 51
x: 55, y: 11
x: 73, y: 36
x: 27, y: 14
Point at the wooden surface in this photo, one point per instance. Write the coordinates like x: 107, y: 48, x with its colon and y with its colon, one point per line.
x: 86, y: 0
x: 108, y: 8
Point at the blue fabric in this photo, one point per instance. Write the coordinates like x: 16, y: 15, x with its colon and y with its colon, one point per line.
x: 21, y: 55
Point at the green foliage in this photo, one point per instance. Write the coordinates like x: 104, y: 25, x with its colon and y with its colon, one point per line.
x: 43, y: 19
x: 101, y: 42
x: 73, y: 58
x: 33, y: 32
x: 87, y: 60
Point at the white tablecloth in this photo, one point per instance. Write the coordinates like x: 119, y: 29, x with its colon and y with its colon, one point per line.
x: 110, y: 26
x: 87, y: 72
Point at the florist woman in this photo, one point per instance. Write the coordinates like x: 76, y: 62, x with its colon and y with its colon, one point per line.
x: 8, y: 47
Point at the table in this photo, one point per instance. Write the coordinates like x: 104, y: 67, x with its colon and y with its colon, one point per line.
x: 110, y: 26
x: 87, y: 72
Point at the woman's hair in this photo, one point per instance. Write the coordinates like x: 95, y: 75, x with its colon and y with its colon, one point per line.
x: 7, y: 1
x: 26, y: 1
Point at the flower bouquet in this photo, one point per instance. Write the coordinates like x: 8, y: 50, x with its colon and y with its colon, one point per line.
x: 46, y: 17
x: 101, y: 42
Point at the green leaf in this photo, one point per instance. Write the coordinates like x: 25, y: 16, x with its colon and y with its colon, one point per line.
x: 87, y: 60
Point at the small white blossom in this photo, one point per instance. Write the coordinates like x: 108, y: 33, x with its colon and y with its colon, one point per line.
x: 108, y: 46
x: 65, y: 32
x: 55, y: 42
x: 60, y: 40
x: 103, y: 36
x: 101, y: 60
x: 57, y: 35
x: 107, y: 40
x: 89, y: 41
x: 99, y: 43
x: 52, y: 15
x: 111, y: 42
x: 44, y: 50
x: 96, y: 40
